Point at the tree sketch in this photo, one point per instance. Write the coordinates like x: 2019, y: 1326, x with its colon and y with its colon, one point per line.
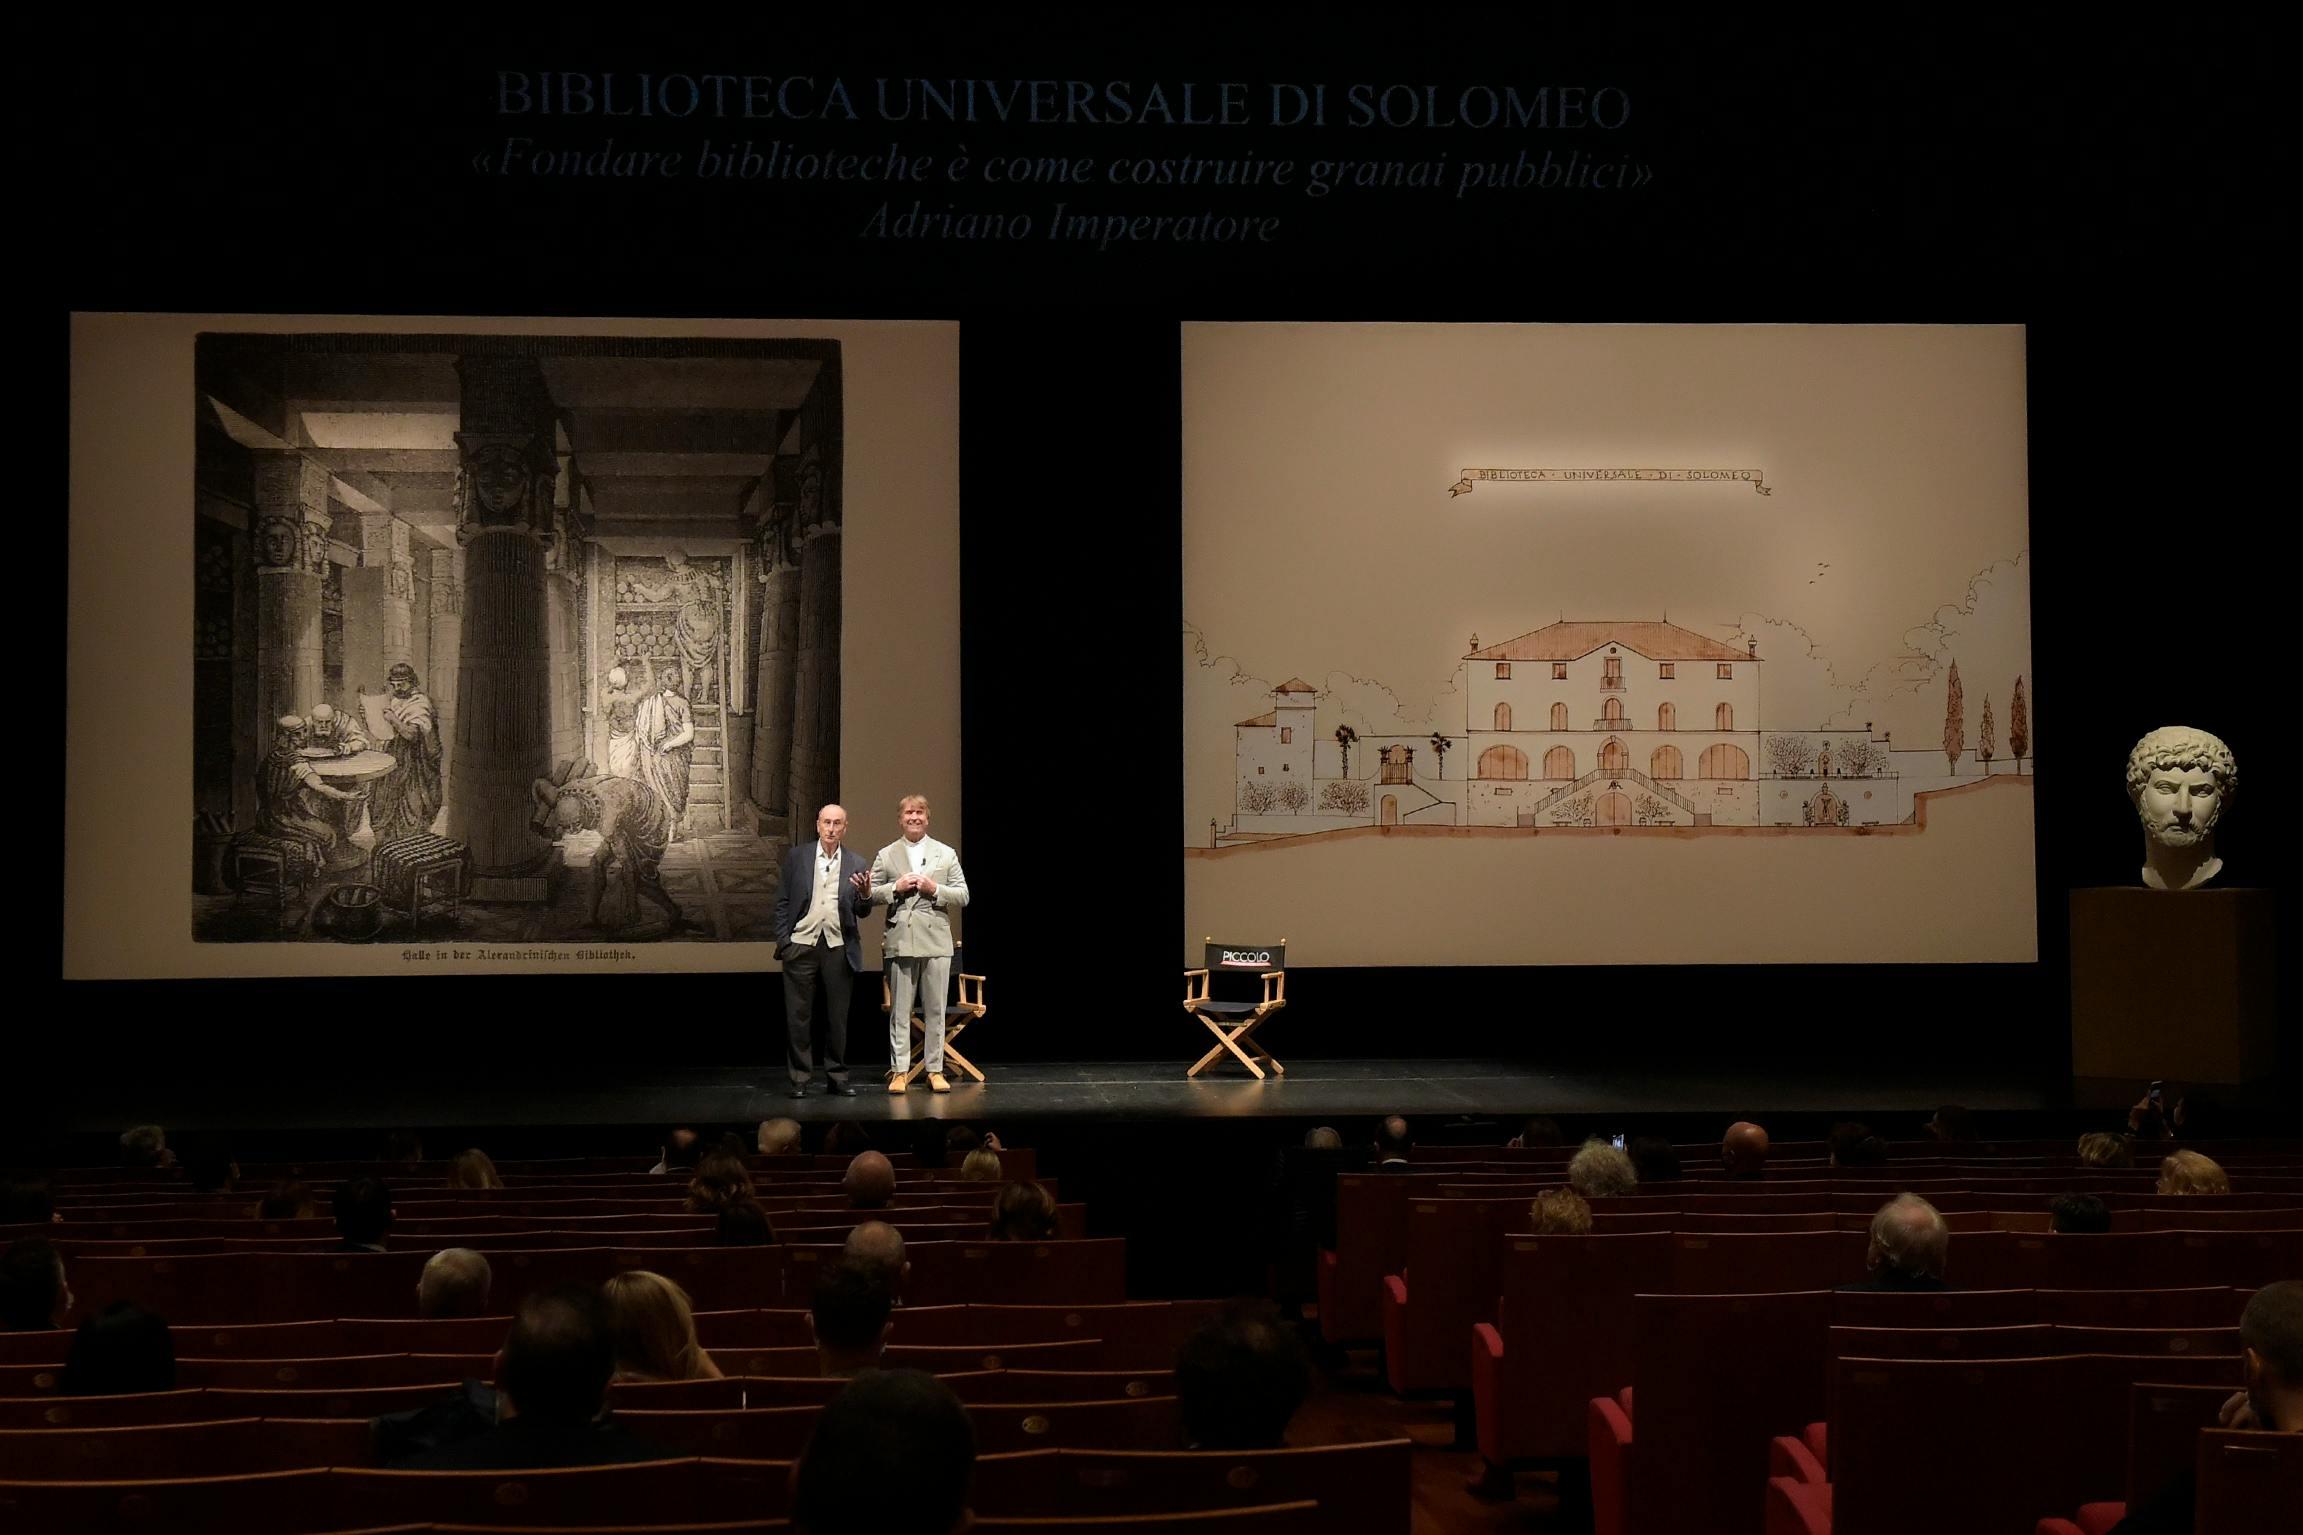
x: 1344, y: 796
x: 1954, y: 720
x: 1575, y: 812
x: 1440, y: 745
x: 1293, y: 796
x: 1254, y: 797
x: 1344, y: 736
x: 2018, y: 724
x: 1985, y: 744
x: 1790, y: 756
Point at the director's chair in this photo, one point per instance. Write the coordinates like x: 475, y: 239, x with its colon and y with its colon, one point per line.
x: 963, y: 1005
x: 1234, y: 1020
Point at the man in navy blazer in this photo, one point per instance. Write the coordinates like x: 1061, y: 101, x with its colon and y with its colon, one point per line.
x: 825, y: 888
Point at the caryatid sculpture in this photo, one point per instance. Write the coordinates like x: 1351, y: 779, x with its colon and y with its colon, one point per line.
x: 2179, y: 780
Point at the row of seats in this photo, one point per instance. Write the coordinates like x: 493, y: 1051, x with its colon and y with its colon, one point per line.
x: 1135, y: 1335
x: 1358, y: 1489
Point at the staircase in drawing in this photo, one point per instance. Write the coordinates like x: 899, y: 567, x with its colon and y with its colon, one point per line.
x: 708, y: 772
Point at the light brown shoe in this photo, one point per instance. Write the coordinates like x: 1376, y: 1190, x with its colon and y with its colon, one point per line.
x: 937, y: 1084
x: 895, y: 1084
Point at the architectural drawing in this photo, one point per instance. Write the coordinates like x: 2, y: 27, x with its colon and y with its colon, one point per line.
x: 515, y: 639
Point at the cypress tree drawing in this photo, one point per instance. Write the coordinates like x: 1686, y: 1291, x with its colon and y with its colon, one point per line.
x: 1984, y: 743
x: 1954, y: 720
x: 2018, y: 725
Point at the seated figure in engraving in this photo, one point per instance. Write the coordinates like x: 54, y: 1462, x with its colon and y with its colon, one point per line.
x: 632, y: 826
x: 287, y: 789
x: 2179, y: 780
x: 408, y: 798
x: 324, y: 727
x: 667, y: 735
x: 621, y: 700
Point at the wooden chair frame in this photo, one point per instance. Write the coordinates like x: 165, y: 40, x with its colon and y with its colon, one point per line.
x: 957, y: 1016
x: 1238, y: 1038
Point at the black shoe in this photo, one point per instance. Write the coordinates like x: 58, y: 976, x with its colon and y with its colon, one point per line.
x: 842, y: 1090
x: 800, y: 1091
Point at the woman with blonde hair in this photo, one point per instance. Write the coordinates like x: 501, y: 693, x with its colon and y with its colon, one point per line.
x: 2187, y: 1172
x: 652, y: 1326
x: 981, y: 1166
x: 2100, y: 1148
x: 474, y: 1170
x: 1560, y: 1213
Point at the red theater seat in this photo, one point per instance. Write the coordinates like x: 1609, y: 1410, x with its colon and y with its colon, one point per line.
x: 1302, y: 1518
x: 1362, y: 1489
x: 1563, y: 1334
x: 268, y: 1503
x: 1370, y: 1243
x: 2248, y: 1482
x: 228, y: 1448
x: 639, y: 1494
x: 1611, y: 1463
x: 1451, y: 1285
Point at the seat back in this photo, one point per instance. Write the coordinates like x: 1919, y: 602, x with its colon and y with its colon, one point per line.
x: 1775, y: 1262
x: 233, y: 1447
x: 1362, y: 1489
x: 1137, y: 1335
x: 1299, y: 1518
x: 1569, y: 1331
x: 1370, y: 1242
x: 2248, y: 1481
x: 2196, y: 1306
x: 1935, y: 1308
x: 750, y: 1433
x: 1453, y: 1280
x: 52, y: 1411
x: 262, y: 1503
x: 2163, y: 1424
x: 640, y: 1493
x: 1124, y: 1423
x: 1235, y: 971
x: 1718, y: 1376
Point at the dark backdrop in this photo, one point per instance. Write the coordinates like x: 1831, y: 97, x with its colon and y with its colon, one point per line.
x: 2110, y: 192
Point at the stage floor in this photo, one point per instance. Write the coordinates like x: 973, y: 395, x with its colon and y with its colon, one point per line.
x: 1312, y: 1090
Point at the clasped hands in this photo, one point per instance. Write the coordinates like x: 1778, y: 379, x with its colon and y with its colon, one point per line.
x: 911, y: 882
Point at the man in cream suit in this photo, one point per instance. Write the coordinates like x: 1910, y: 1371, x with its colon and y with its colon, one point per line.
x: 919, y: 880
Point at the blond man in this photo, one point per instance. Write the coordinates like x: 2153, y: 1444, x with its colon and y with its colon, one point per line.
x: 919, y: 880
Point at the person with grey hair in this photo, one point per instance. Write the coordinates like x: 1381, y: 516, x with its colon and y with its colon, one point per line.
x: 146, y: 1146
x: 454, y: 1283
x: 1910, y: 1247
x: 1600, y: 1171
x: 777, y: 1136
x: 1323, y: 1138
x: 878, y: 1248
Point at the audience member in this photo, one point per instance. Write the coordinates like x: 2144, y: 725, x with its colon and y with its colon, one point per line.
x: 1240, y: 1378
x: 1323, y: 1138
x: 879, y: 1248
x: 677, y: 1152
x: 743, y: 1223
x: 26, y: 1201
x: 454, y: 1283
x: 845, y: 1138
x: 1910, y: 1247
x: 848, y: 1313
x: 870, y: 1181
x: 552, y: 1384
x: 777, y: 1137
x: 404, y: 1148
x: 1655, y: 1159
x: 1952, y: 1124
x: 652, y: 1329
x: 1024, y: 1212
x: 1743, y: 1150
x: 1542, y: 1130
x: 474, y: 1170
x: 288, y: 1200
x: 34, y: 1296
x: 1392, y: 1142
x: 2100, y: 1148
x: 2155, y: 1116
x: 363, y: 1210
x: 146, y: 1146
x: 1853, y: 1145
x: 2189, y: 1172
x: 721, y: 1179
x: 1559, y: 1213
x: 127, y: 1349
x: 2271, y: 1401
x: 1600, y: 1171
x: 892, y: 1454
x: 959, y: 1140
x: 210, y: 1169
x: 2077, y: 1214
x: 982, y: 1166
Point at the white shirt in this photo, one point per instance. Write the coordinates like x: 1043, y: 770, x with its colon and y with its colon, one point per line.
x: 821, y: 924
x: 917, y: 852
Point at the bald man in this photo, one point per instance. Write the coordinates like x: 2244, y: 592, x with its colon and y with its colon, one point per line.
x: 1743, y: 1150
x: 870, y: 1181
x: 879, y: 1248
x: 825, y: 889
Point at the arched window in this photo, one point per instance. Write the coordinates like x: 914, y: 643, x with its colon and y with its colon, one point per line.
x: 1559, y: 716
x: 1503, y: 762
x: 1723, y: 717
x: 1666, y: 717
x: 1503, y: 716
x: 1664, y: 762
x: 1559, y: 762
x: 1612, y: 712
x: 1612, y: 757
x: 1723, y: 761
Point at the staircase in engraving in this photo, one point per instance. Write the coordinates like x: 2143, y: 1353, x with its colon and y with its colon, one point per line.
x: 708, y: 772
x: 1627, y: 775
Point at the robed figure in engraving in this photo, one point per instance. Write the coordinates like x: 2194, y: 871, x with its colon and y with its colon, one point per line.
x: 667, y: 736
x: 622, y: 701
x: 407, y: 799
x: 697, y: 624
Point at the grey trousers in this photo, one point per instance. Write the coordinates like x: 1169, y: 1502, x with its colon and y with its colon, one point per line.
x: 927, y: 977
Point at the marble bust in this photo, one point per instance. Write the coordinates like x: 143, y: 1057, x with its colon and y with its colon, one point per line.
x: 2179, y: 780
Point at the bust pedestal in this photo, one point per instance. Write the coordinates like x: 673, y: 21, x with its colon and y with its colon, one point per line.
x: 2171, y: 983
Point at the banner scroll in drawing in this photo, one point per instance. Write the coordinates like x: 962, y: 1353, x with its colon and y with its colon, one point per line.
x: 1613, y: 709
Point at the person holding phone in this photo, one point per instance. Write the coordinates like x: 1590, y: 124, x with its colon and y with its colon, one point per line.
x: 2152, y: 1119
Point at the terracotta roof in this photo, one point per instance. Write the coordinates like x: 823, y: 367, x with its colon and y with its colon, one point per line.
x: 1295, y: 685
x: 1262, y: 719
x: 1570, y: 641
